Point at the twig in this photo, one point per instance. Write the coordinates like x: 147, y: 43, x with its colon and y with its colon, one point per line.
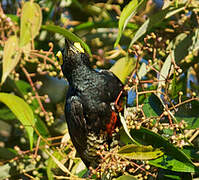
x: 34, y: 89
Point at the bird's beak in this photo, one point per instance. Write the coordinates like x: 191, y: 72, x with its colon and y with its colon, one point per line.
x: 73, y: 48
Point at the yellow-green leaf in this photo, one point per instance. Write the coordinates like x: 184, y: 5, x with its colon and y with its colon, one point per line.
x: 123, y: 68
x: 22, y: 111
x: 31, y: 19
x: 11, y: 56
x: 126, y: 177
x: 133, y: 151
x: 68, y: 34
x: 126, y: 15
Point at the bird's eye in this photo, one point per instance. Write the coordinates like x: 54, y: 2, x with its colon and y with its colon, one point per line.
x: 79, y: 47
x: 59, y: 57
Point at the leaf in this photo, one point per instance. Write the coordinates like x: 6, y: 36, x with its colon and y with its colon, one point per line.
x: 154, y: 20
x: 51, y: 164
x: 22, y: 111
x: 66, y: 33
x: 123, y: 68
x: 173, y: 177
x: 5, y: 171
x: 143, y: 70
x: 58, y: 163
x: 42, y: 128
x: 147, y: 137
x: 78, y: 168
x: 164, y: 72
x: 8, y: 170
x: 23, y: 88
x: 125, y: 16
x: 7, y: 153
x: 192, y: 152
x: 184, y: 44
x: 13, y: 17
x: 126, y: 128
x: 31, y: 19
x: 136, y: 152
x: 11, y: 56
x: 189, y: 113
x: 171, y: 163
x: 152, y: 106
x: 101, y: 24
x: 177, y: 175
x: 6, y: 114
x: 126, y: 177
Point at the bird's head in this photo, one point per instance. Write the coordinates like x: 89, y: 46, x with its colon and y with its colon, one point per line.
x: 71, y: 57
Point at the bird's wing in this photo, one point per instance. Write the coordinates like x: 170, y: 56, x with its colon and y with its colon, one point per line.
x: 113, y: 85
x: 76, y: 122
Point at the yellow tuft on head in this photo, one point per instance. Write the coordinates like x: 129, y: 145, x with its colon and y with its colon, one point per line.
x: 59, y: 57
x: 79, y: 47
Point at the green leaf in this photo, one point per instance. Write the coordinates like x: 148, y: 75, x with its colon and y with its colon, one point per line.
x: 164, y: 72
x: 174, y: 177
x: 22, y: 111
x: 11, y: 56
x: 31, y: 19
x: 189, y: 113
x: 154, y: 20
x: 136, y: 152
x: 7, y: 153
x: 41, y: 127
x: 126, y: 129
x: 8, y: 170
x: 102, y: 24
x: 78, y: 4
x: 184, y: 44
x: 66, y: 33
x: 178, y: 175
x: 192, y: 152
x: 51, y: 164
x: 171, y: 163
x: 123, y: 68
x: 152, y: 106
x: 57, y: 162
x: 124, y: 138
x: 126, y: 15
x: 126, y: 177
x: 13, y: 17
x: 23, y: 88
x: 174, y: 91
x: 147, y: 137
x: 6, y: 114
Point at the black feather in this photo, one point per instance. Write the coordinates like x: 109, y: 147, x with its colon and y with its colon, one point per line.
x: 87, y: 108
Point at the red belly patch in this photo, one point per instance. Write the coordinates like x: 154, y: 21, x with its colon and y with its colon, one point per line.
x: 111, y: 125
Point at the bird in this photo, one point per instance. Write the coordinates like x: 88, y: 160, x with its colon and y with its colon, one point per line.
x: 90, y: 110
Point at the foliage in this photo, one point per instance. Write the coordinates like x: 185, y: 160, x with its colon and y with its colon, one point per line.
x: 154, y: 49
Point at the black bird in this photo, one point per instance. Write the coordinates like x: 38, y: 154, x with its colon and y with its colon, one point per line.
x: 89, y: 111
